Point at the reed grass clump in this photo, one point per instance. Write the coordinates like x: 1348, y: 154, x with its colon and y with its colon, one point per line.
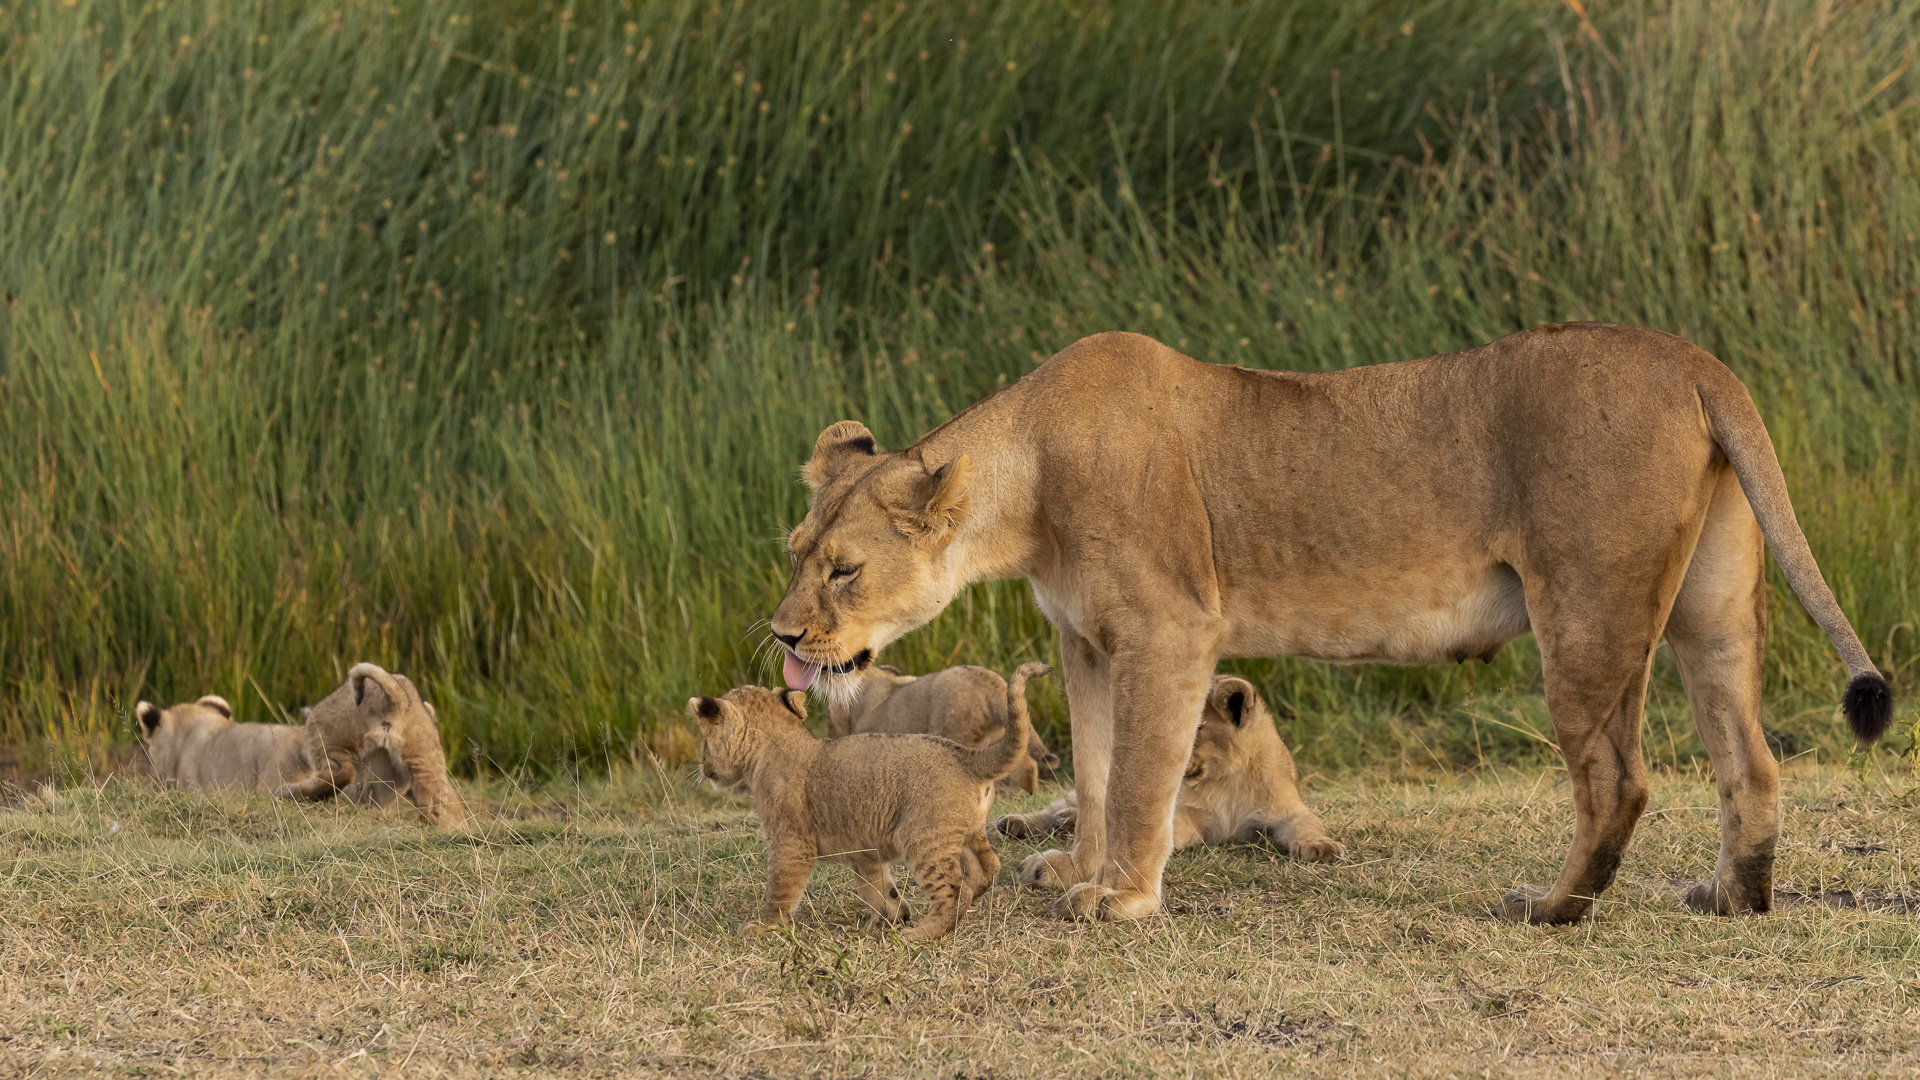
x: 484, y: 344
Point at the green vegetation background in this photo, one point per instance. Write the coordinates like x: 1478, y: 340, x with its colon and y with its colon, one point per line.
x: 483, y: 341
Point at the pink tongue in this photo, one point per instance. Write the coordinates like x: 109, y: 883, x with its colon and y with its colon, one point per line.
x: 799, y: 673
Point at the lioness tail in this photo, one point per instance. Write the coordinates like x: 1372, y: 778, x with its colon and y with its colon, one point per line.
x: 1737, y: 427
x: 995, y: 760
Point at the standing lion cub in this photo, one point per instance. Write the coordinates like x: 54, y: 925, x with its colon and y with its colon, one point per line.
x: 865, y: 800
x: 965, y: 703
x: 1240, y: 787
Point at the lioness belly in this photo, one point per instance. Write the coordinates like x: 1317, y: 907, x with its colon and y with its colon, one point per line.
x: 1420, y: 619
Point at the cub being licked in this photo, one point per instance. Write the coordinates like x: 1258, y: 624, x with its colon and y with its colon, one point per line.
x: 965, y: 703
x: 1240, y: 787
x: 865, y: 800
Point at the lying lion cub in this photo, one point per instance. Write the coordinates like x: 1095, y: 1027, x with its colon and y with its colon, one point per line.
x: 370, y: 753
x: 1240, y: 787
x: 865, y: 800
x: 966, y: 704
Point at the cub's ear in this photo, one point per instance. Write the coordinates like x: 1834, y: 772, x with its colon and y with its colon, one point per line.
x: 796, y: 702
x: 433, y: 715
x: 939, y: 503
x: 306, y: 713
x: 705, y: 709
x: 1233, y: 698
x: 149, y: 716
x: 217, y: 704
x: 837, y: 447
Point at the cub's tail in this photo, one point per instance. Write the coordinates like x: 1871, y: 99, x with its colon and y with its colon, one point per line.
x: 996, y: 759
x: 1737, y: 427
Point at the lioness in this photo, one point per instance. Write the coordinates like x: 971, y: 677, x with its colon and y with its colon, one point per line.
x: 197, y: 744
x: 1602, y: 486
x: 965, y: 703
x: 1240, y: 787
x: 865, y: 800
x: 377, y: 709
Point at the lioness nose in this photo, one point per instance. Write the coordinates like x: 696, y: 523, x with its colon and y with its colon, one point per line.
x: 789, y: 640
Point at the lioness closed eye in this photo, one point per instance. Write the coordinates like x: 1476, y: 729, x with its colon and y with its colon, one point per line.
x: 1240, y: 787
x: 965, y: 703
x: 865, y: 800
x: 1602, y: 487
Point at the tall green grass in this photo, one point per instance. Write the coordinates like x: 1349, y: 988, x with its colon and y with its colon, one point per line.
x: 483, y: 342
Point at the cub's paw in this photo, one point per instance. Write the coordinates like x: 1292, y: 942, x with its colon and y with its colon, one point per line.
x: 755, y: 927
x: 1530, y: 905
x: 1087, y: 901
x: 1048, y: 869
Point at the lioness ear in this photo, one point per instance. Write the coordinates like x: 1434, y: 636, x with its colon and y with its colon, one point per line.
x: 149, y: 716
x: 1233, y: 697
x: 217, y: 704
x: 942, y: 500
x: 433, y: 715
x: 796, y: 702
x: 838, y: 446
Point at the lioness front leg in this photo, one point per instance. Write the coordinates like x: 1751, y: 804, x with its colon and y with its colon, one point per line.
x: 1090, y: 715
x: 1158, y: 693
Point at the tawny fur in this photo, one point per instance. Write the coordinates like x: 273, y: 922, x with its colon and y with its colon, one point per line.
x: 964, y: 703
x: 197, y: 744
x: 865, y: 800
x: 1601, y: 486
x: 1240, y: 787
x: 377, y: 709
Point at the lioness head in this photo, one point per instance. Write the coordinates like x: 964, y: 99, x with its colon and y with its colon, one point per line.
x: 162, y: 732
x: 871, y: 559
x: 734, y: 728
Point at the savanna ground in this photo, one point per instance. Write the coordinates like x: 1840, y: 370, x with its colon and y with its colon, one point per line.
x: 590, y: 931
x: 483, y: 341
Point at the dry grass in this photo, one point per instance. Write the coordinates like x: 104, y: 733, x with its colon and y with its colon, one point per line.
x: 588, y: 931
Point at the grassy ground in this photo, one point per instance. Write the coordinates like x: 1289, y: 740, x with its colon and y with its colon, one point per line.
x: 588, y: 931
x: 483, y: 341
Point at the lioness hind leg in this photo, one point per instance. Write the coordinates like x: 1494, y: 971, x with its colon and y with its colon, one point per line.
x: 875, y: 887
x: 1596, y: 655
x: 1718, y: 633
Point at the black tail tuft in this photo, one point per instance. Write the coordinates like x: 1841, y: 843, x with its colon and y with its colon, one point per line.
x: 1868, y: 705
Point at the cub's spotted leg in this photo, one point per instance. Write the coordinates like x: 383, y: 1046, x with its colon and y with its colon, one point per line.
x: 943, y: 879
x: 333, y: 772
x: 789, y: 864
x: 977, y: 858
x: 1088, y: 680
x: 875, y: 887
x: 1718, y: 633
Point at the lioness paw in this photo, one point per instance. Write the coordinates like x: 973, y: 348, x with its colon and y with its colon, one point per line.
x: 1531, y: 904
x: 1318, y: 849
x: 1088, y: 901
x: 754, y: 926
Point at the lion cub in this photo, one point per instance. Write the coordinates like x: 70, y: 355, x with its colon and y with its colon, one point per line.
x: 197, y: 744
x: 377, y: 710
x: 966, y: 704
x: 866, y: 800
x: 1241, y: 786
